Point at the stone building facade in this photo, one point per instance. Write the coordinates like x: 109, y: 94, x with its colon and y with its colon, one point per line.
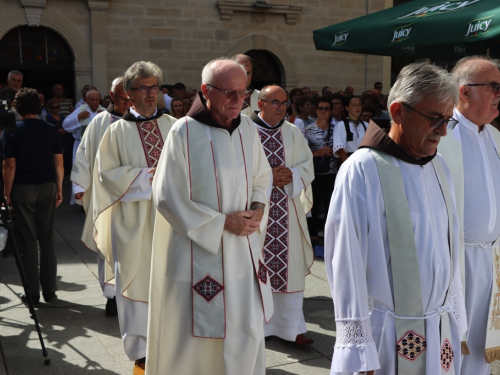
x: 106, y: 36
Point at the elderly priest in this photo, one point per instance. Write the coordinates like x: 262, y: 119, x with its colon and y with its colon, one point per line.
x: 210, y: 291
x: 391, y: 246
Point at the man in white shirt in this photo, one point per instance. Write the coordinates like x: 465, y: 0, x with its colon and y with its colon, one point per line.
x: 78, y: 120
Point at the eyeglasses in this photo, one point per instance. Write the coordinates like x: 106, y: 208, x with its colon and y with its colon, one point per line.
x: 231, y: 93
x: 144, y: 90
x: 494, y: 85
x: 124, y: 100
x: 55, y: 107
x: 436, y: 122
x: 327, y: 109
x: 277, y: 103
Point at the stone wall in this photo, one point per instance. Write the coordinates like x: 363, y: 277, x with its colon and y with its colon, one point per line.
x: 181, y: 36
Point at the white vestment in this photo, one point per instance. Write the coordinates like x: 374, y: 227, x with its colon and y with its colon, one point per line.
x: 358, y: 265
x: 254, y: 98
x: 288, y: 254
x: 480, y: 169
x: 81, y: 176
x: 124, y: 217
x: 243, y: 175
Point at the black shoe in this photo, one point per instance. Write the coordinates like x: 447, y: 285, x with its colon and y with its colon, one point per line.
x: 111, y: 309
x: 49, y: 296
x: 36, y: 300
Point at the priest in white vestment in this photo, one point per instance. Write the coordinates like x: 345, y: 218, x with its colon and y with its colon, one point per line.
x: 210, y: 290
x: 472, y: 152
x: 250, y: 104
x: 123, y: 210
x: 286, y: 243
x: 391, y: 244
x: 81, y: 177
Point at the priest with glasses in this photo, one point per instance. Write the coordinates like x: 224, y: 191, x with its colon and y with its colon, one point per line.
x: 392, y: 237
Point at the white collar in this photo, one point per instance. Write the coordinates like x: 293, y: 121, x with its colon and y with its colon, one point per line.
x: 462, y: 120
x: 264, y: 121
x: 137, y: 115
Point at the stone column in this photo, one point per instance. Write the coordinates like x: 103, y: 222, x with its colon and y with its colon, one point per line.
x: 99, y: 45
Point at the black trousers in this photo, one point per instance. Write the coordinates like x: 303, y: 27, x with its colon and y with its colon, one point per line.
x: 34, y: 209
x: 322, y: 188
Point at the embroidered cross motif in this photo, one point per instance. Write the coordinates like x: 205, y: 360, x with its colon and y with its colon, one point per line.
x: 114, y: 118
x: 411, y: 345
x: 447, y: 355
x: 262, y: 272
x: 208, y: 288
x: 276, y: 243
x: 152, y: 142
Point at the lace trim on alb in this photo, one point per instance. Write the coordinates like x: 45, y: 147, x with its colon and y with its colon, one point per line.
x: 353, y: 332
x: 458, y: 305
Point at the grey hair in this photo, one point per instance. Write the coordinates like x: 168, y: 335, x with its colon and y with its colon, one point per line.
x: 91, y: 91
x: 14, y: 73
x: 263, y: 91
x: 467, y: 71
x: 141, y: 69
x: 209, y: 71
x: 423, y: 80
x: 117, y: 81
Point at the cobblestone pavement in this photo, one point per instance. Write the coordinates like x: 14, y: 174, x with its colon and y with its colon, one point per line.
x: 80, y: 339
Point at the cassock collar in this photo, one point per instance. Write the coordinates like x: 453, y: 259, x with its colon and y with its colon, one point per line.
x: 377, y: 138
x: 129, y: 116
x: 200, y: 113
x: 111, y: 109
x: 259, y: 121
x: 462, y: 120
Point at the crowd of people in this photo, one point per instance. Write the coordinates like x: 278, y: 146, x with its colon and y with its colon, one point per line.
x: 206, y: 207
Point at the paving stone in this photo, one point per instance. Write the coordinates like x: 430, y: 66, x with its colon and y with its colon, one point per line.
x: 81, y: 339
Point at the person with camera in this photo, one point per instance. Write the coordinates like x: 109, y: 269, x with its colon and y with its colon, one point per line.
x: 320, y: 138
x: 33, y: 173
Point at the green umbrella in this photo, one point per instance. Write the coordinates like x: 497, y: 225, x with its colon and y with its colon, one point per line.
x: 420, y: 28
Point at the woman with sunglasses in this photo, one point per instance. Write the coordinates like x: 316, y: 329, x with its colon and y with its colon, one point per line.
x: 348, y: 134
x: 55, y: 118
x: 319, y: 135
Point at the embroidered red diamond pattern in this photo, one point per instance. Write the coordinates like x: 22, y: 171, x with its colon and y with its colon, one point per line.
x: 276, y: 243
x: 208, y: 288
x: 114, y: 118
x: 411, y: 345
x: 262, y: 273
x: 447, y: 355
x: 152, y: 142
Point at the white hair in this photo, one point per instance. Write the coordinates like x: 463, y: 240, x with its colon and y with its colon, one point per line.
x: 467, y: 71
x: 423, y: 80
x: 117, y: 81
x: 211, y: 69
x: 141, y: 69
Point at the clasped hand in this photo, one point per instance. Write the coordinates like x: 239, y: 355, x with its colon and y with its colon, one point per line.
x: 243, y: 223
x: 282, y: 176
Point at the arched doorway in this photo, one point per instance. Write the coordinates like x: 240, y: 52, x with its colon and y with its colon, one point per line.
x: 43, y: 57
x: 267, y: 69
